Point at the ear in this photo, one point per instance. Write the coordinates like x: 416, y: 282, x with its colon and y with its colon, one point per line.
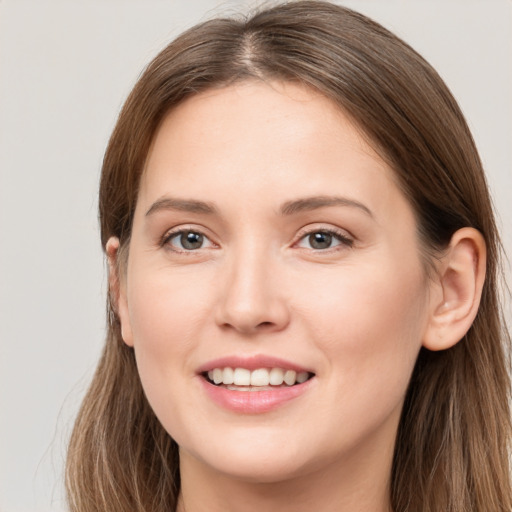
x: 455, y: 297
x: 117, y: 289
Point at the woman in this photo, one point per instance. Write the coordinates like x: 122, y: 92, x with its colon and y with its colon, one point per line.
x: 303, y: 303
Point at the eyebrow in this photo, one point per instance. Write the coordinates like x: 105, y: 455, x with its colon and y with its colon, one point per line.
x: 316, y: 202
x: 183, y: 205
x: 288, y: 208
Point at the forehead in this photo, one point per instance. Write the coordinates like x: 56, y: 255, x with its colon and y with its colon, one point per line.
x: 265, y: 140
x: 288, y: 110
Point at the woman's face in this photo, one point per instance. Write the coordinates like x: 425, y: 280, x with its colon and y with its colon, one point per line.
x: 268, y: 239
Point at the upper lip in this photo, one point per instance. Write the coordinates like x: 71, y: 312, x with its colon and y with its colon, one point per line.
x: 251, y: 363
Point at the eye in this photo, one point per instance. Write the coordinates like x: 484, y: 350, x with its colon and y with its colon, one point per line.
x: 324, y: 239
x: 187, y: 240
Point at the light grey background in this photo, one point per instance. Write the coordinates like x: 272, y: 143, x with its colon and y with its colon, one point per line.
x: 65, y: 69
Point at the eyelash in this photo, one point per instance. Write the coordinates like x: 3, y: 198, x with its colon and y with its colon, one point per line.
x: 173, y: 234
x: 340, y: 236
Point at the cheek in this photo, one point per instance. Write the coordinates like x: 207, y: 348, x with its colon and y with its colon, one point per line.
x: 366, y: 306
x: 369, y: 326
x: 165, y: 313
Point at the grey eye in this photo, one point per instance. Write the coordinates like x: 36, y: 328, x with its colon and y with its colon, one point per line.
x: 188, y: 241
x: 324, y: 239
x: 320, y: 240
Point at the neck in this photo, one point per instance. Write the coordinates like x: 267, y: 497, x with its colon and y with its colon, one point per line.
x: 357, y: 485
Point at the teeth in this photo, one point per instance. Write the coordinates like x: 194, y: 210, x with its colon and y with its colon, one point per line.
x: 289, y: 377
x: 228, y: 376
x: 262, y: 378
x: 242, y: 377
x: 217, y: 376
x: 249, y: 388
x: 276, y: 376
x: 302, y: 377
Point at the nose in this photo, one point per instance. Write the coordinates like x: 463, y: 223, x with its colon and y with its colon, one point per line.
x: 251, y: 300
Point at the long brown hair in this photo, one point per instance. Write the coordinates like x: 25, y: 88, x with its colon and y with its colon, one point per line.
x: 452, y: 449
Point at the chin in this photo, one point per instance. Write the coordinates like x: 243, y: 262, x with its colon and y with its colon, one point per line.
x: 250, y: 458
x: 262, y: 470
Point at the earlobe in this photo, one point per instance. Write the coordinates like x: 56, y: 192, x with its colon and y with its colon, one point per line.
x: 455, y: 302
x: 117, y: 289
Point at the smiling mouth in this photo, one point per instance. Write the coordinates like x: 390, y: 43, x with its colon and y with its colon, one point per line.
x: 261, y: 379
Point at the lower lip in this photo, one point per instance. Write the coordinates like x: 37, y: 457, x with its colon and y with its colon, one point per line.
x: 253, y: 402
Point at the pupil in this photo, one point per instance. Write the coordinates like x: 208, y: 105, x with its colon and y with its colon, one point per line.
x: 320, y: 240
x: 191, y: 240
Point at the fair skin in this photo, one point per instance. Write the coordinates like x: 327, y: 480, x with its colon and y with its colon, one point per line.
x: 268, y: 233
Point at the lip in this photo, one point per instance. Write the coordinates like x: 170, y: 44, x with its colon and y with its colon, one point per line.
x: 251, y: 363
x: 252, y: 402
